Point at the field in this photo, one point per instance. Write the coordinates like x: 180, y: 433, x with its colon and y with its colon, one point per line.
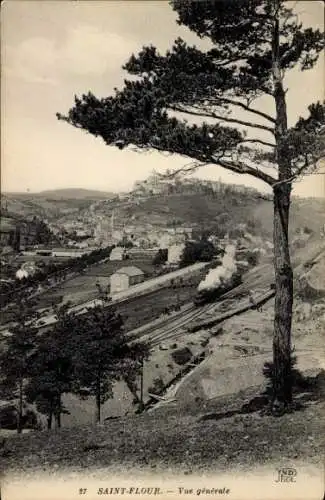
x: 148, y: 307
x: 138, y: 310
x: 83, y: 288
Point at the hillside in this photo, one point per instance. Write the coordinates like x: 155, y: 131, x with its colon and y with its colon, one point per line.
x: 220, y: 213
x: 220, y: 210
x: 304, y: 212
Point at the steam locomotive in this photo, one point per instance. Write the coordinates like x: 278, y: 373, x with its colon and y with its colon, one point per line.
x: 209, y: 295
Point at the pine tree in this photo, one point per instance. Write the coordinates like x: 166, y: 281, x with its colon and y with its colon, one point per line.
x: 52, y: 371
x: 15, y: 359
x: 254, y: 44
x: 103, y: 354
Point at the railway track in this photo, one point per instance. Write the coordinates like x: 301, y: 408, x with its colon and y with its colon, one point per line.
x: 173, y: 328
x: 175, y: 333
x: 168, y: 329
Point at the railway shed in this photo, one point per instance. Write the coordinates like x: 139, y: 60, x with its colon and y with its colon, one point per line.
x: 125, y: 277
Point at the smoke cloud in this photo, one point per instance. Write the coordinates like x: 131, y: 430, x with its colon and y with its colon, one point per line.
x: 222, y: 273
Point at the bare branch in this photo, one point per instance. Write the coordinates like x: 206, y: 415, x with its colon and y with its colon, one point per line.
x: 229, y: 61
x: 189, y: 167
x: 211, y: 114
x: 247, y: 108
x: 241, y: 168
x: 260, y: 141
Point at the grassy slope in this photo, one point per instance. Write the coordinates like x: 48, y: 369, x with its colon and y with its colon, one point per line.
x: 183, y: 442
x: 307, y: 212
x: 191, y: 209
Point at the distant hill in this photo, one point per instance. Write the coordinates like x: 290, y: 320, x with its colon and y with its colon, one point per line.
x: 51, y: 204
x: 68, y: 193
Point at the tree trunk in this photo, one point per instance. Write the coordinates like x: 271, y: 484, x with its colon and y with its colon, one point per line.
x: 98, y: 404
x: 49, y: 421
x: 58, y: 419
x: 141, y: 385
x: 58, y: 412
x: 133, y: 389
x: 282, y: 380
x: 20, y: 408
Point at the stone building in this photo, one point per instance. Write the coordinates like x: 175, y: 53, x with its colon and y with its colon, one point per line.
x: 125, y: 277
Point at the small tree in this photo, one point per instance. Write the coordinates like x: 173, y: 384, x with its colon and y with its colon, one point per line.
x: 254, y: 44
x: 160, y: 257
x: 15, y: 359
x: 206, y: 250
x: 189, y: 255
x: 52, y: 371
x: 103, y: 355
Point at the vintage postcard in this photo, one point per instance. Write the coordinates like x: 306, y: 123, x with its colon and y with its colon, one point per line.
x: 162, y: 234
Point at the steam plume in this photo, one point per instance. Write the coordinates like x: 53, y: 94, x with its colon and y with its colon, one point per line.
x: 222, y: 273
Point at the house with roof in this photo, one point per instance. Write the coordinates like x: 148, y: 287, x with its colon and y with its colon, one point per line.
x: 125, y: 277
x: 118, y: 253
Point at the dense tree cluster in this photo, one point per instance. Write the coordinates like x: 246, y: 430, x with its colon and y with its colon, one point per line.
x: 197, y: 251
x: 81, y: 355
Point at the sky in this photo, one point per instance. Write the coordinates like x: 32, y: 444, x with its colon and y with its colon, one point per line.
x: 52, y: 50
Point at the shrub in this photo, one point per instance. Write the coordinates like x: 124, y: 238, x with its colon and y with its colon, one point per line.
x: 252, y: 259
x: 298, y: 380
x: 182, y: 356
x: 160, y: 257
x: 157, y: 387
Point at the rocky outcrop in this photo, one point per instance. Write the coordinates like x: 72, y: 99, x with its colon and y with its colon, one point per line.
x: 309, y: 283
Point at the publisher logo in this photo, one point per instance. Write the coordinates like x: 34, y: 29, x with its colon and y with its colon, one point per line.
x: 286, y: 475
